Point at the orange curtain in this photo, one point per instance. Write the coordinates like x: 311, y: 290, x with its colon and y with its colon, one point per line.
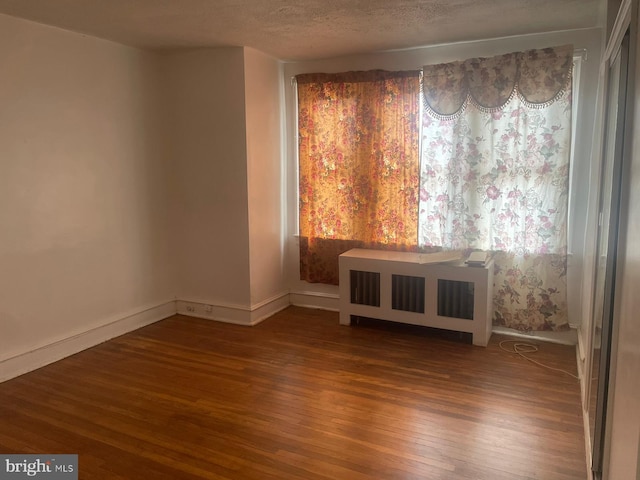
x: 359, y: 166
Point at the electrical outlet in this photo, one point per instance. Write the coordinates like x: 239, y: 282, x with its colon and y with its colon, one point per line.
x: 208, y: 308
x: 191, y: 308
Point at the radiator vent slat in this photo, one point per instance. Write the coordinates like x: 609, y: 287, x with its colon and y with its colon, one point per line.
x: 365, y: 288
x: 407, y: 293
x: 455, y: 299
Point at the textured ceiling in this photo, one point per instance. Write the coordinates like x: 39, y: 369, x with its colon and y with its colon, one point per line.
x: 304, y: 29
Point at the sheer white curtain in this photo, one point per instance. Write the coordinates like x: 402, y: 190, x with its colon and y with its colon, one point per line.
x: 496, y: 141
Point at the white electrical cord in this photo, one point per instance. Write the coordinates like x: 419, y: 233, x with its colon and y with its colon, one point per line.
x: 520, y: 348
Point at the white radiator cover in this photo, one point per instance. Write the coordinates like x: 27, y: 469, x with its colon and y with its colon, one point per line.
x: 392, y: 267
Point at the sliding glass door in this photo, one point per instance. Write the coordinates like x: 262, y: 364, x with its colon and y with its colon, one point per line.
x: 610, y: 189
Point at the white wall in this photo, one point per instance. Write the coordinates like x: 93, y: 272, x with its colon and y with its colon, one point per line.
x: 589, y: 39
x: 263, y: 112
x: 204, y: 94
x: 82, y: 192
x: 224, y: 126
x: 129, y: 180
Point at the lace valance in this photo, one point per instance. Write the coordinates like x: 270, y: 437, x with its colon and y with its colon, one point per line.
x: 538, y: 77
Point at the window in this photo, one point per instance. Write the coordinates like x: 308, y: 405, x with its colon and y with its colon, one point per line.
x: 358, y: 163
x: 496, y: 142
x: 493, y: 155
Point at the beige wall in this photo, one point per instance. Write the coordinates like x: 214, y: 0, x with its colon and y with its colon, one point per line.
x: 263, y: 111
x: 223, y: 110
x: 82, y: 192
x: 204, y: 95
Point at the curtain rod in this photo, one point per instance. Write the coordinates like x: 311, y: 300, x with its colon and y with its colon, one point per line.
x: 578, y: 52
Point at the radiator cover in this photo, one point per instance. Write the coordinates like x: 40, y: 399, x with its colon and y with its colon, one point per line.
x: 407, y: 288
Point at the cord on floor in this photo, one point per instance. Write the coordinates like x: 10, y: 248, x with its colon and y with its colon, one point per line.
x: 521, y: 348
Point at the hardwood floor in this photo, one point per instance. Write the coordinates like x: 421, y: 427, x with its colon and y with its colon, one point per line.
x: 300, y: 397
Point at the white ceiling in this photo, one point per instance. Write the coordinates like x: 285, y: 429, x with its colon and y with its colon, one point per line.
x: 305, y: 29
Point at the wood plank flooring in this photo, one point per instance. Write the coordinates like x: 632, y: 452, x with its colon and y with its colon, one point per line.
x: 300, y: 397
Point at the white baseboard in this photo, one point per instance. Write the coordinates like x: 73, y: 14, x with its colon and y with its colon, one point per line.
x: 271, y: 306
x: 323, y: 301
x: 563, y: 338
x: 236, y: 314
x: 587, y: 443
x: 57, y: 350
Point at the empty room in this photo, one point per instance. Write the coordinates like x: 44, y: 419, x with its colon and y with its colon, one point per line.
x: 247, y: 239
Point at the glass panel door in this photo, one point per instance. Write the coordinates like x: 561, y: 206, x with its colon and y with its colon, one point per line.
x: 606, y: 251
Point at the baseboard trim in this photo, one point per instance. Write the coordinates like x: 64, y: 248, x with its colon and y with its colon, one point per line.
x: 236, y: 314
x: 44, y: 355
x: 320, y: 300
x: 587, y: 443
x: 562, y: 338
x: 271, y: 306
x: 584, y: 404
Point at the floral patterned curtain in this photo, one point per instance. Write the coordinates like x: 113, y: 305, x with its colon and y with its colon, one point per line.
x: 496, y: 139
x: 359, y: 165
